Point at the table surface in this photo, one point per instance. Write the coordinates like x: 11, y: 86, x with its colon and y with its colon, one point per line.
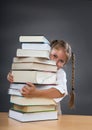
x: 65, y: 122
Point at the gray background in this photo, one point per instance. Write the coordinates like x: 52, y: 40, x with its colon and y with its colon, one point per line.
x: 68, y: 20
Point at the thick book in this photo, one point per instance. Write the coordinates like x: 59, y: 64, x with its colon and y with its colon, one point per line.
x: 15, y: 88
x: 16, y: 92
x: 37, y: 77
x: 33, y: 116
x: 35, y: 39
x: 34, y: 66
x: 35, y: 46
x: 26, y: 101
x: 33, y: 108
x: 34, y: 60
x: 32, y: 53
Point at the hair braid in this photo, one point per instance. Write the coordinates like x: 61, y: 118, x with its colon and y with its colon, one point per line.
x: 72, y: 93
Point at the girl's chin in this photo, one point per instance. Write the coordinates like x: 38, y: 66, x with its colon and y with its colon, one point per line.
x: 59, y: 68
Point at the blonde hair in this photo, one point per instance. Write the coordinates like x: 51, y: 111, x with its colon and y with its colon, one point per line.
x: 57, y: 44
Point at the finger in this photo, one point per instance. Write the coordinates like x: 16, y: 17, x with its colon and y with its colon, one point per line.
x: 30, y: 84
x: 27, y: 87
x: 10, y: 77
x: 25, y: 90
x: 25, y: 94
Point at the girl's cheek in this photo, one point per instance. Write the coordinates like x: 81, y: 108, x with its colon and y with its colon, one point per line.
x: 59, y: 66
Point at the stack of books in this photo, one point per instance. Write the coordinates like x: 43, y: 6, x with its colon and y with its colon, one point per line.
x: 32, y: 64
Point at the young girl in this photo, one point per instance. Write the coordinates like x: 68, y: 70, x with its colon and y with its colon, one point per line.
x: 61, y: 53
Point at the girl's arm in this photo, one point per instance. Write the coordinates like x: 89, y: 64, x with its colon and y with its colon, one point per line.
x: 30, y: 91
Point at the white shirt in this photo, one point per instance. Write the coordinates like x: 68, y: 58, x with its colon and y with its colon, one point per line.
x: 61, y: 84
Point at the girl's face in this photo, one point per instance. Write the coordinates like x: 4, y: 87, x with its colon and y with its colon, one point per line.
x: 59, y: 56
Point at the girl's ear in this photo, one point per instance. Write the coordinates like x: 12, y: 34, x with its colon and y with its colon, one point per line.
x: 72, y: 93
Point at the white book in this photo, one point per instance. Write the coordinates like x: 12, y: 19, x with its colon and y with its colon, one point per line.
x: 33, y: 59
x: 14, y: 92
x: 33, y: 116
x: 15, y: 89
x: 36, y: 39
x: 25, y: 101
x: 32, y: 53
x: 35, y: 46
x: 37, y: 77
x: 34, y: 66
x: 16, y: 86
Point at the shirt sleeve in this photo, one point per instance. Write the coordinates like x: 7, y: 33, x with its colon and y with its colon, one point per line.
x: 61, y: 84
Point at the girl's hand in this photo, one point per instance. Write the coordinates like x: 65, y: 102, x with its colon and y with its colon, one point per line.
x: 29, y: 90
x: 10, y: 77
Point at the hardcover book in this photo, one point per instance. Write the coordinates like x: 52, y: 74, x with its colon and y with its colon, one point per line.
x: 14, y: 92
x: 25, y: 101
x: 34, y: 66
x: 34, y: 39
x: 34, y: 60
x: 37, y: 77
x: 35, y: 46
x: 32, y: 53
x: 33, y: 116
x: 34, y: 108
